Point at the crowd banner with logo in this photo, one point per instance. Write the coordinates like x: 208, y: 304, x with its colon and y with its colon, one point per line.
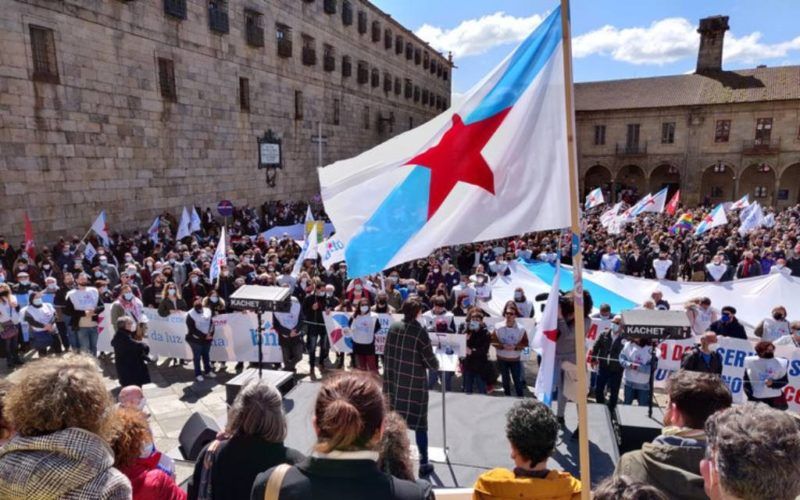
x: 792, y: 390
x: 235, y: 337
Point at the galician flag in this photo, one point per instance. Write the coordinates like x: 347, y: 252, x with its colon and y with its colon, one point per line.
x: 194, y: 221
x: 594, y: 198
x: 655, y: 203
x: 752, y: 217
x: 100, y: 227
x: 30, y: 244
x: 672, y: 206
x: 609, y: 215
x: 544, y: 341
x: 184, y: 226
x: 152, y: 231
x: 743, y: 202
x: 219, y: 257
x: 308, y: 250
x: 331, y: 251
x: 715, y: 218
x: 492, y: 166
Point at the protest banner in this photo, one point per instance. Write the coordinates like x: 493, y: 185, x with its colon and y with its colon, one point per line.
x: 792, y: 389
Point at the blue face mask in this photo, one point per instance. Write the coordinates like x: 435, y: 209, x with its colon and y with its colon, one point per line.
x: 474, y: 325
x: 726, y: 317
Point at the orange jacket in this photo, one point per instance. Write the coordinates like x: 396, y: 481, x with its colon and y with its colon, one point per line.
x: 501, y: 484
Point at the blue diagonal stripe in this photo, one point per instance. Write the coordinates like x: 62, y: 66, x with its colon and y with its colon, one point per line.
x: 600, y: 295
x: 526, y: 62
x: 396, y: 220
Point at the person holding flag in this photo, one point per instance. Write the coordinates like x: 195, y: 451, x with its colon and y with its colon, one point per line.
x: 100, y: 227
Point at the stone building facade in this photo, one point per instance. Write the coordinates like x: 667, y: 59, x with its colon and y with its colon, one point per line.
x: 140, y: 106
x: 717, y: 135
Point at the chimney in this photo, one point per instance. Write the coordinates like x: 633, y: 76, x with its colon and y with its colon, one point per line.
x: 712, y: 34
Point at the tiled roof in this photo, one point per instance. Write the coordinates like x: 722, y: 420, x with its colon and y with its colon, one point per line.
x: 724, y: 87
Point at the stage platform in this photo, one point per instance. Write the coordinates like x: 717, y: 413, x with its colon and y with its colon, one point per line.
x: 475, y: 435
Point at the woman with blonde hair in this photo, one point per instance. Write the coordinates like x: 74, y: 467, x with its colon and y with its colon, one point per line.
x: 348, y: 420
x: 62, y: 414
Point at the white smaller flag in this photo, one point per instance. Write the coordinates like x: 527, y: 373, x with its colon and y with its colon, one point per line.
x: 545, y: 341
x: 100, y: 226
x: 751, y: 217
x: 769, y: 220
x: 743, y: 202
x: 184, y: 226
x: 89, y: 252
x: 331, y: 251
x: 152, y: 231
x: 308, y: 251
x: 219, y: 258
x: 609, y: 215
x: 309, y: 215
x: 655, y: 203
x: 715, y: 218
x: 194, y: 223
x: 594, y: 199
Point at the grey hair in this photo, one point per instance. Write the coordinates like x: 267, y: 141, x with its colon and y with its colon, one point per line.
x: 756, y: 450
x: 258, y: 411
x: 122, y: 321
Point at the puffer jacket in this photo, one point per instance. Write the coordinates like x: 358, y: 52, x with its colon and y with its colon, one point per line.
x: 71, y: 464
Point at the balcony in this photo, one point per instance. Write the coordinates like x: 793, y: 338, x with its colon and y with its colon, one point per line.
x: 329, y: 63
x: 254, y: 35
x: 309, y: 56
x: 626, y: 149
x: 285, y: 48
x: 218, y: 20
x: 761, y: 147
x: 175, y: 8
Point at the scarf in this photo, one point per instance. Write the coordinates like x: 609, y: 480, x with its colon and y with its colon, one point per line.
x: 132, y: 308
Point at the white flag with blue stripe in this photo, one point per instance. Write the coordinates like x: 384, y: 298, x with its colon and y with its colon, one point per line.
x: 492, y: 166
x: 594, y: 199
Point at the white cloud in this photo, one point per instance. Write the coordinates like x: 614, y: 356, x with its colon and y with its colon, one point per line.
x: 749, y: 48
x: 478, y: 36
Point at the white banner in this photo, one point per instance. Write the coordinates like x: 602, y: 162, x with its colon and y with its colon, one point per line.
x: 235, y: 337
x: 792, y: 390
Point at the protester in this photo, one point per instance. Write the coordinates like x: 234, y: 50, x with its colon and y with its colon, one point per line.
x: 636, y: 358
x: 509, y: 339
x: 408, y: 354
x: 532, y: 431
x: 171, y: 301
x: 671, y: 462
x: 83, y: 305
x: 363, y: 327
x: 765, y: 376
x: 133, y: 458
x: 727, y: 325
x: 127, y: 304
x: 605, y: 354
x: 625, y: 488
x: 439, y: 320
x: 200, y: 333
x: 752, y: 452
x: 314, y: 307
x: 703, y: 357
x: 130, y: 354
x: 287, y: 326
x: 41, y: 319
x: 478, y: 371
x: 252, y: 443
x: 700, y: 314
x: 9, y: 329
x: 60, y: 448
x: 774, y: 327
x: 348, y: 419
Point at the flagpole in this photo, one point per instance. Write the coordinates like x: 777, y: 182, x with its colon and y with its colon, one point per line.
x: 577, y: 259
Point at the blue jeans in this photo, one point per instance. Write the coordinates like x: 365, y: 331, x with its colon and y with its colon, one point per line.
x: 201, y: 351
x: 71, y: 334
x: 612, y: 380
x: 433, y: 377
x: 511, y: 370
x: 642, y: 396
x: 87, y: 340
x: 474, y: 380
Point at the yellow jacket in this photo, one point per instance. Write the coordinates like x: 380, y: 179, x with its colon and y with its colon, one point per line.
x: 501, y: 484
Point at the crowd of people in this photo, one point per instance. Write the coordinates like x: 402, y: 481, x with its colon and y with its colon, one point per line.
x: 59, y: 293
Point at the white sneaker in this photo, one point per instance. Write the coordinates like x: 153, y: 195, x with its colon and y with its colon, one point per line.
x: 199, y: 378
x: 211, y: 375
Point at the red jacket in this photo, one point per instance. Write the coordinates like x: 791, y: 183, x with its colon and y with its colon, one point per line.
x: 150, y: 482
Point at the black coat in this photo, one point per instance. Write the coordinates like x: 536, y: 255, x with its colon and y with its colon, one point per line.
x: 606, y: 352
x: 732, y: 329
x: 129, y: 359
x: 693, y: 361
x: 236, y: 463
x: 323, y: 479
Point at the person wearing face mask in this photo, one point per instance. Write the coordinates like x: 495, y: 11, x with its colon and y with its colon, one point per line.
x: 363, y: 327
x: 393, y: 295
x: 703, y: 357
x: 22, y: 265
x: 69, y: 338
x: 717, y: 270
x: 435, y: 277
x: 171, y: 301
x: 83, y: 305
x: 509, y: 339
x: 200, y: 333
x: 382, y: 304
x: 499, y: 267
x: 765, y: 376
x: 130, y: 353
x: 41, y: 319
x: 605, y: 355
x: 452, y: 277
x: 24, y: 285
x: 780, y: 267
x: 748, y: 267
x: 215, y: 303
x: 524, y: 306
x: 109, y: 270
x: 290, y: 336
x: 194, y: 288
x: 478, y: 371
x: 106, y: 296
x: 127, y: 304
x: 151, y: 295
x: 483, y: 289
x: 636, y: 359
x: 728, y: 325
x: 314, y: 307
x: 774, y: 327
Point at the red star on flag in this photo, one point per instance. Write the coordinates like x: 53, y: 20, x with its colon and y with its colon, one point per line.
x: 457, y: 158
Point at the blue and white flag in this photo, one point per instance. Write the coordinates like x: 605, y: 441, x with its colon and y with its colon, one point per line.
x: 184, y: 226
x: 594, y: 199
x: 219, y: 259
x: 494, y: 165
x: 331, y: 251
x: 655, y: 203
x: 152, y: 231
x: 308, y: 251
x: 715, y: 218
x: 100, y: 227
x: 752, y: 217
x: 194, y: 222
x: 89, y: 252
x: 743, y: 202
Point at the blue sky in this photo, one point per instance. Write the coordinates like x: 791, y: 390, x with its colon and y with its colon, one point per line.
x: 611, y: 39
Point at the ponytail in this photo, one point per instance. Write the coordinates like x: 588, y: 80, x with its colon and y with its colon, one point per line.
x: 349, y: 413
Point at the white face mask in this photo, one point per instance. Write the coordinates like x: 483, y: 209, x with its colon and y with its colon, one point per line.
x: 364, y: 309
x: 128, y: 296
x: 147, y: 450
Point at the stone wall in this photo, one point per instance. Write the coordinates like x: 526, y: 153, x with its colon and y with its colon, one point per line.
x: 103, y: 138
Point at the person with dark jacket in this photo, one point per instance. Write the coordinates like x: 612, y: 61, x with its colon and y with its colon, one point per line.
x: 671, y: 462
x: 478, y: 370
x: 605, y: 354
x: 702, y: 358
x: 194, y: 288
x: 314, y: 306
x: 288, y: 326
x: 171, y: 301
x: 200, y: 332
x: 348, y: 418
x: 151, y: 295
x: 129, y: 354
x: 748, y: 267
x: 728, y: 325
x: 252, y: 443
